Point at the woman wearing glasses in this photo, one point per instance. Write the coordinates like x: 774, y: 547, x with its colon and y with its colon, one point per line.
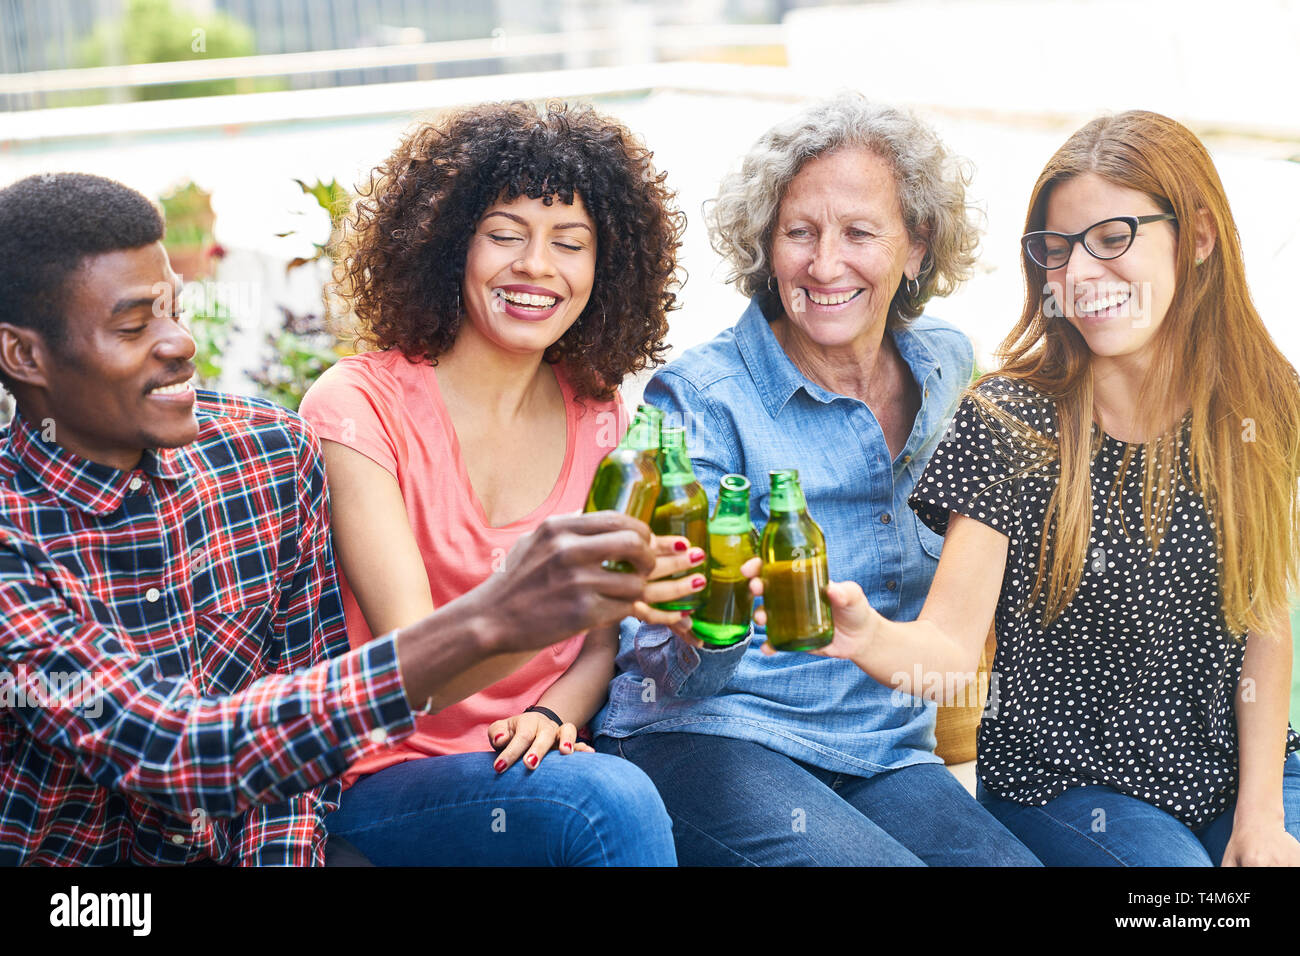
x: 1121, y: 499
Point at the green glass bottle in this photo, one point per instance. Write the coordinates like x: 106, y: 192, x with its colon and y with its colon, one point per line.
x: 795, y: 571
x: 723, y: 617
x: 627, y: 479
x: 682, y: 507
x: 655, y: 416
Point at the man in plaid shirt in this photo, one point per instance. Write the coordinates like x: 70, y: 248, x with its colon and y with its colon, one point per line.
x: 175, y: 681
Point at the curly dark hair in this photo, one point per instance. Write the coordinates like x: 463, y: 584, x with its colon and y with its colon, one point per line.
x: 404, y: 247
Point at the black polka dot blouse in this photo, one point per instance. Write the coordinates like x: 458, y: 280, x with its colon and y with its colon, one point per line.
x: 1133, y: 685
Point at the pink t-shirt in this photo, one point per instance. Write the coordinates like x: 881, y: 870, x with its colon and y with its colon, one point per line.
x: 391, y: 410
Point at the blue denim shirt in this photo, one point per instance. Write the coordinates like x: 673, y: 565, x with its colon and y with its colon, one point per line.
x: 749, y: 410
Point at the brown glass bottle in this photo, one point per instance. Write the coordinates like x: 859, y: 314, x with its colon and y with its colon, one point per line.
x: 795, y: 571
x: 681, y: 509
x: 627, y: 479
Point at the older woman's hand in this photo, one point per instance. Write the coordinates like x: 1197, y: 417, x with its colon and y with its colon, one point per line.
x: 855, y: 619
x: 673, y: 555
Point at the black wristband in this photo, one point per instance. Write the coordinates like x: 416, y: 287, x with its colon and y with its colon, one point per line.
x: 545, y: 712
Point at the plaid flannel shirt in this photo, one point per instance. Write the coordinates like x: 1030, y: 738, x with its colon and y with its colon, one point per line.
x: 175, y: 684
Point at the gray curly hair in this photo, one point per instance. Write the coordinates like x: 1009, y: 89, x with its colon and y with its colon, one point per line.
x: 931, y: 190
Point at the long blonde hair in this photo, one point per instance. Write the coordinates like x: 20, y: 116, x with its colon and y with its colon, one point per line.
x: 1243, y: 441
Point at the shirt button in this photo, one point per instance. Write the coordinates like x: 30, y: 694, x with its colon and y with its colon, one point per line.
x: 885, y: 518
x: 906, y: 459
x: 177, y: 839
x: 378, y: 735
x: 152, y: 595
x: 892, y: 585
x: 136, y: 484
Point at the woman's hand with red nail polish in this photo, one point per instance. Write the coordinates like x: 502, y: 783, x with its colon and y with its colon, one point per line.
x: 532, y: 736
x: 514, y: 737
x: 673, y: 556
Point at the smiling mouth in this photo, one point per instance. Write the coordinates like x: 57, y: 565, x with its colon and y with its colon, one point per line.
x: 1094, y: 306
x: 528, y: 300
x: 176, y: 388
x: 831, y: 298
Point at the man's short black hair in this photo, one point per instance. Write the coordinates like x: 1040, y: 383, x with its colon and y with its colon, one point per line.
x: 49, y: 224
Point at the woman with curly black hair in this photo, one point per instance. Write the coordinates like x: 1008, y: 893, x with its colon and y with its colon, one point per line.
x: 507, y: 267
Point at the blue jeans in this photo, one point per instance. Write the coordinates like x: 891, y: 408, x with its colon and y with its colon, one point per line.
x: 737, y: 803
x: 579, y: 809
x: 1099, y: 826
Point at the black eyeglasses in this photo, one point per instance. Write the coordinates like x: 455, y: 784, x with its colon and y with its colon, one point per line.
x: 1108, y: 239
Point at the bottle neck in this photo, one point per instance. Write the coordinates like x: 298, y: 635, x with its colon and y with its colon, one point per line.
x: 674, y: 462
x: 642, y: 436
x: 787, y: 496
x: 732, y: 504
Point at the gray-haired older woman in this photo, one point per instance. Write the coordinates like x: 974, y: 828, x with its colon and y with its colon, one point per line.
x: 841, y: 223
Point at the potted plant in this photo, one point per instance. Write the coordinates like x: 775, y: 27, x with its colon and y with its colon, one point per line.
x: 187, y: 210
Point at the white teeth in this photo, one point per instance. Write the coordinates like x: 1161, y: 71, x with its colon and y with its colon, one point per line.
x: 834, y: 299
x: 179, y: 389
x: 528, y: 299
x: 1098, y: 305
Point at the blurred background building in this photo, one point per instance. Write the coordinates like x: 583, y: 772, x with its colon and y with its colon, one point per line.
x: 54, y: 34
